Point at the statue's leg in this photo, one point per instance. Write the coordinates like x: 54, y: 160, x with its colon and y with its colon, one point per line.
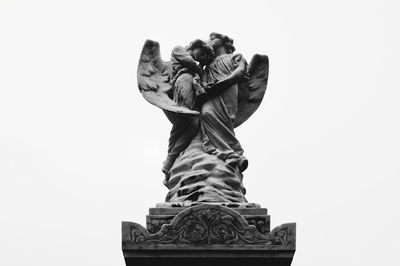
x: 218, y: 133
x: 183, y: 131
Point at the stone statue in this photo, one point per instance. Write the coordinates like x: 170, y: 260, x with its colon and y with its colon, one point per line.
x: 205, y: 90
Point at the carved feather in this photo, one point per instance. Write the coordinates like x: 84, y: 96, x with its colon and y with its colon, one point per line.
x: 252, y: 90
x: 153, y: 77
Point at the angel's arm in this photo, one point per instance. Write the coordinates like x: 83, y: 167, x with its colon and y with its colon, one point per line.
x: 239, y: 72
x: 185, y: 59
x: 230, y: 80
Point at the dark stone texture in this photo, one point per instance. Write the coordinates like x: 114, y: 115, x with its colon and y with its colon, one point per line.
x: 206, y: 90
x: 208, y: 258
x: 208, y: 233
x: 253, y: 214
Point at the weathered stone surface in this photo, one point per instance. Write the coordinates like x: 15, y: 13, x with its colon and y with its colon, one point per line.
x: 208, y: 233
x: 206, y: 90
x: 253, y: 214
x: 199, y: 176
x: 194, y: 203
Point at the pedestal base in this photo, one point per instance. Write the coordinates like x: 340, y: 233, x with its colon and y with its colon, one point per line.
x: 208, y: 233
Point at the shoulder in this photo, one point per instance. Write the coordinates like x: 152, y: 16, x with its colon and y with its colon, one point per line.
x: 178, y: 49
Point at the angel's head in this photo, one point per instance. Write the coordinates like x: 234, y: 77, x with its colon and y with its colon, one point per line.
x: 221, y: 42
x: 201, y: 51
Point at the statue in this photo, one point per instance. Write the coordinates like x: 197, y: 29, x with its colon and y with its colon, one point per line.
x: 206, y: 90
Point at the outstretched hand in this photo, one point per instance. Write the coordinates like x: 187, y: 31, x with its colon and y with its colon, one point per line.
x: 200, y: 92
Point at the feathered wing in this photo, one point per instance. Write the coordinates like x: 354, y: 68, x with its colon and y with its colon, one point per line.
x: 153, y: 78
x: 252, y: 90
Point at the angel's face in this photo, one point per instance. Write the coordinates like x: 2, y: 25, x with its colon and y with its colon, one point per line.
x: 216, y: 43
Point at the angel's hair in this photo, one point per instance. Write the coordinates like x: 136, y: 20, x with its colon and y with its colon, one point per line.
x: 226, y: 40
x: 207, y: 49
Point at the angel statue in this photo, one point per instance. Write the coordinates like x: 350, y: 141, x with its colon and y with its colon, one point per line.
x: 206, y: 91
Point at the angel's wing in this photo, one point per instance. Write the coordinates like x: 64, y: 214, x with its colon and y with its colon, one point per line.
x: 252, y: 90
x: 153, y: 78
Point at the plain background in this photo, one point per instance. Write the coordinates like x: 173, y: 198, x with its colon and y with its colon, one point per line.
x: 81, y: 150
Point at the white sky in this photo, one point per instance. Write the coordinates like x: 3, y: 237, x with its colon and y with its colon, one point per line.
x: 81, y: 150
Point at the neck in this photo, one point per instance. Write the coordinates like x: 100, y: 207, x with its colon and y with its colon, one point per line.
x: 220, y: 51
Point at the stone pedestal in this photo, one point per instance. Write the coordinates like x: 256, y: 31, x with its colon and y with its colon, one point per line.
x: 213, y: 234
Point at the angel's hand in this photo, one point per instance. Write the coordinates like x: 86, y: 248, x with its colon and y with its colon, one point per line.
x: 196, y: 79
x: 199, y: 90
x: 208, y: 85
x: 201, y: 94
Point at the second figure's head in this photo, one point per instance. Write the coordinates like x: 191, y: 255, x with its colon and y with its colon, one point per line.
x: 218, y: 41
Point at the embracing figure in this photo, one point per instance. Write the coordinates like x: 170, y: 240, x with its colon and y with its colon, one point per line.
x: 219, y: 112
x: 206, y: 90
x: 186, y: 68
